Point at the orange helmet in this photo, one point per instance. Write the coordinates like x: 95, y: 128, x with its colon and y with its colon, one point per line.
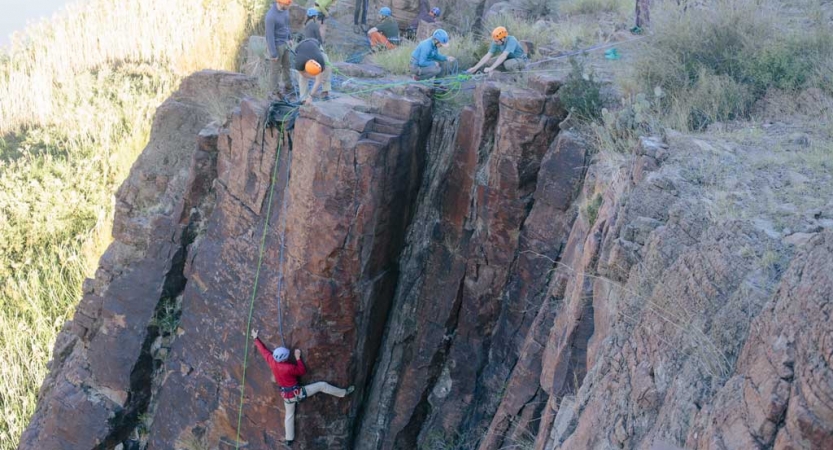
x: 312, y: 67
x: 285, y: 2
x: 499, y: 33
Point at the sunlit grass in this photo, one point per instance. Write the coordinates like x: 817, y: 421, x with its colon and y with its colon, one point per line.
x: 77, y: 97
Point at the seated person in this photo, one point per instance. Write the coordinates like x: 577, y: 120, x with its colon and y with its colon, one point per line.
x: 510, y: 53
x: 425, y: 14
x: 312, y: 63
x: 386, y: 33
x: 426, y: 58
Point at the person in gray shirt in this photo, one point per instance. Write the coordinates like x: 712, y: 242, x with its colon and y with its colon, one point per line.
x: 277, y: 41
x: 312, y: 29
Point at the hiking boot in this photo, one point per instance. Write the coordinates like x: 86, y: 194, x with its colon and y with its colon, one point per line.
x: 324, y: 96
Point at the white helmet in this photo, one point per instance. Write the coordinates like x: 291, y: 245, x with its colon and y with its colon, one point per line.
x: 280, y: 354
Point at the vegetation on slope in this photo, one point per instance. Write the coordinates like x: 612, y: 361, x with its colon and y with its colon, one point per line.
x: 78, y: 94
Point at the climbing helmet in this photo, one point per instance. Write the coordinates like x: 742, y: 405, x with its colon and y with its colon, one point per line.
x: 280, y: 354
x: 385, y: 12
x: 312, y: 67
x: 441, y: 36
x: 285, y: 2
x: 436, y: 11
x: 499, y: 34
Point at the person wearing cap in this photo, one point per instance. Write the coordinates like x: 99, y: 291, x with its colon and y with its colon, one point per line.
x: 312, y: 29
x: 504, y: 50
x: 386, y: 32
x: 287, y: 376
x: 426, y: 58
x: 277, y: 41
x: 312, y: 63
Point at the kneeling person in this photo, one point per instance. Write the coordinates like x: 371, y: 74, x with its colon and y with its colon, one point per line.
x: 312, y: 63
x: 426, y: 59
x: 386, y: 32
x: 510, y: 53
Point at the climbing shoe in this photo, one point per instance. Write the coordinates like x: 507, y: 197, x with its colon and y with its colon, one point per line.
x: 350, y: 390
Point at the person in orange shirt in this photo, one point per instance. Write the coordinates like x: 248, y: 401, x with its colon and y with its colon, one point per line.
x: 287, y: 376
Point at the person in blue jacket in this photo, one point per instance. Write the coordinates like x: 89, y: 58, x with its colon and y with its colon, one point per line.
x: 426, y: 59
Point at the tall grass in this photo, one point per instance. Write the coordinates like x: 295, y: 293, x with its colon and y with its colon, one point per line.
x: 77, y: 94
x: 713, y: 63
x: 595, y: 6
x: 465, y: 48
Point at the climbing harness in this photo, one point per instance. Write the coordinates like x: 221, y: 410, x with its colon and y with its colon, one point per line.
x: 293, y: 394
x: 280, y: 114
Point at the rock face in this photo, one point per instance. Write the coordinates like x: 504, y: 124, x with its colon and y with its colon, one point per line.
x: 481, y: 278
x: 100, y: 375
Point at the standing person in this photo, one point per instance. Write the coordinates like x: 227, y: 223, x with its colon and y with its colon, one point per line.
x: 323, y: 7
x: 312, y: 63
x: 360, y: 15
x: 510, y: 53
x: 286, y: 375
x: 312, y: 29
x: 277, y: 41
x: 386, y: 32
x: 425, y: 14
x: 426, y: 57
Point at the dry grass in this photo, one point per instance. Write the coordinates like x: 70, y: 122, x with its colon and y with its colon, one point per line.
x: 595, y: 6
x: 78, y: 95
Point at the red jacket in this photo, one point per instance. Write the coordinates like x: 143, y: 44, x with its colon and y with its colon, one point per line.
x: 286, y: 373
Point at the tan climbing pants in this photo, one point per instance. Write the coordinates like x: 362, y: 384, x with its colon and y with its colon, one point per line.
x: 510, y: 65
x: 279, y: 80
x: 310, y: 389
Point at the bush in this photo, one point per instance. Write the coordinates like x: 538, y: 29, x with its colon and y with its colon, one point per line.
x: 397, y: 61
x: 595, y: 6
x: 581, y: 93
x: 713, y: 63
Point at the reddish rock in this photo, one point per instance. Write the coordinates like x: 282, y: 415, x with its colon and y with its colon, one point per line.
x: 348, y: 178
x: 97, y: 377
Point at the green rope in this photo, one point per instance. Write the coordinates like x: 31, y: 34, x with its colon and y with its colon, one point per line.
x: 257, y: 274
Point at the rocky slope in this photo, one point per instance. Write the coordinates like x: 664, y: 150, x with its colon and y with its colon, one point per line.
x: 479, y: 277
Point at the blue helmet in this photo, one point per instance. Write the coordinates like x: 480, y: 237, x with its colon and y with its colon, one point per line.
x: 385, y: 11
x: 436, y: 11
x: 312, y: 12
x: 441, y: 36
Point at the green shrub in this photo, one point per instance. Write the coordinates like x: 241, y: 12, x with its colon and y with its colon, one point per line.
x: 713, y: 63
x: 581, y: 93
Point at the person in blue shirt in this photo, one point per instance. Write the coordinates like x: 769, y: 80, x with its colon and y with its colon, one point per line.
x: 509, y: 52
x: 277, y: 42
x: 426, y: 59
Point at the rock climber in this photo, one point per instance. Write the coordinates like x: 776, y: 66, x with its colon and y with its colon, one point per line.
x: 323, y: 8
x: 425, y: 14
x: 312, y: 63
x: 504, y: 50
x: 426, y: 59
x: 286, y: 375
x: 312, y: 29
x: 386, y: 33
x: 277, y: 42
